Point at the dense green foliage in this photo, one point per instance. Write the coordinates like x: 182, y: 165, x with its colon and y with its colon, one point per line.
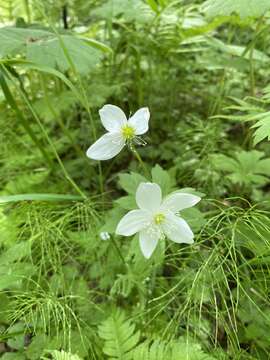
x: 202, y: 68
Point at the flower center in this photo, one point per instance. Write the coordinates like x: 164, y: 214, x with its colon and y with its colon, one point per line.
x: 128, y: 132
x: 159, y: 219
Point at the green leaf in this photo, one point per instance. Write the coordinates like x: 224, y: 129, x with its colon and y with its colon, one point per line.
x: 224, y: 163
x: 15, y: 40
x: 16, y: 252
x: 13, y: 356
x: 39, y: 197
x: 246, y: 168
x: 127, y: 202
x: 37, y: 346
x: 51, y: 50
x: 262, y: 129
x: 62, y: 355
x: 153, y: 5
x: 194, y: 217
x: 173, y: 350
x: 244, y: 8
x: 13, y: 275
x: 130, y: 182
x: 59, y: 54
x: 162, y: 178
x: 119, y: 336
x: 112, y: 219
x: 16, y: 341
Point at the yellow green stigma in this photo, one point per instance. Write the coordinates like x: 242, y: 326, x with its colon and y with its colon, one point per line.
x: 128, y: 132
x: 159, y: 219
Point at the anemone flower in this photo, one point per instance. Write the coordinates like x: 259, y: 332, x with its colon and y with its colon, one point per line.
x: 157, y: 218
x: 120, y: 131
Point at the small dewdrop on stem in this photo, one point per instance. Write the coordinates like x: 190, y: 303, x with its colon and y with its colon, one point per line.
x: 104, y: 235
x: 120, y: 131
x: 157, y: 218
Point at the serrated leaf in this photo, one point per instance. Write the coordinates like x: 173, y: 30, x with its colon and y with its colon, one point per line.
x: 119, y: 336
x: 247, y: 167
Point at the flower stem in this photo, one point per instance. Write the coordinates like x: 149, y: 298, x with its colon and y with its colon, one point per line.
x: 138, y: 157
x: 119, y: 252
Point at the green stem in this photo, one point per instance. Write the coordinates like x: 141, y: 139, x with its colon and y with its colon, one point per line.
x: 27, y: 10
x: 57, y: 117
x: 84, y: 99
x: 12, y: 102
x: 119, y: 252
x: 66, y: 174
x: 138, y: 157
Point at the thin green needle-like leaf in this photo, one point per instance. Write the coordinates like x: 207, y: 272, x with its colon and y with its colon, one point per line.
x: 12, y: 102
x: 38, y: 197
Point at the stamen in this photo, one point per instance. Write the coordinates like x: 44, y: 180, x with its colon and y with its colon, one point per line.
x: 128, y: 132
x: 139, y: 141
x: 159, y: 219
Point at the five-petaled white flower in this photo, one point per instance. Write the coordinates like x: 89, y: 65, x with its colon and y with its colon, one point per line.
x: 120, y: 131
x: 156, y: 218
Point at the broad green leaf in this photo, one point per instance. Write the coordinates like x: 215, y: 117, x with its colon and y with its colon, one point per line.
x: 15, y: 40
x: 194, y: 218
x: 51, y: 53
x: 127, y: 202
x: 244, y: 8
x: 36, y: 348
x: 16, y: 341
x: 162, y: 178
x: 16, y: 252
x: 130, y: 182
x: 47, y: 49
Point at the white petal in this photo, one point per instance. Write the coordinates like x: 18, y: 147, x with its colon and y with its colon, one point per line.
x: 177, y: 229
x: 106, y: 147
x: 112, y: 117
x: 139, y: 121
x: 133, y: 222
x: 148, y: 196
x: 179, y: 201
x: 148, y: 239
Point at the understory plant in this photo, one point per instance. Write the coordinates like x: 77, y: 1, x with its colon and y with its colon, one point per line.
x: 149, y: 239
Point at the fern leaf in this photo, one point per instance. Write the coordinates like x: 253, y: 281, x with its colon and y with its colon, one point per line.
x: 62, y: 355
x: 173, y: 350
x: 119, y: 336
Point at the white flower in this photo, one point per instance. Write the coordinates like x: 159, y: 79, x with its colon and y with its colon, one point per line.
x: 156, y: 218
x: 120, y: 131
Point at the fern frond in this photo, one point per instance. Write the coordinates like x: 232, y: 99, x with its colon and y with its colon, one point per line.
x: 119, y: 336
x: 173, y: 350
x: 62, y: 355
